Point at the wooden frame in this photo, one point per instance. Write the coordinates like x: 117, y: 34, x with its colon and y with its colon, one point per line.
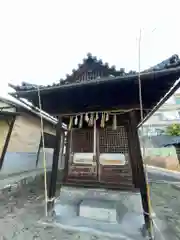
x: 11, y: 124
x: 49, y: 142
x: 139, y: 173
x: 56, y: 155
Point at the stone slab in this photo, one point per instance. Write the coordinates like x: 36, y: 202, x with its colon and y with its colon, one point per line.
x: 98, y: 210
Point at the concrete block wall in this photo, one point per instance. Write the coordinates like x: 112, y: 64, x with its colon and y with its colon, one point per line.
x: 16, y: 162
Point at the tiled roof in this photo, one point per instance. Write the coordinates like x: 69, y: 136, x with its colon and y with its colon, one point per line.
x: 93, y: 87
x: 28, y: 108
x: 111, y: 72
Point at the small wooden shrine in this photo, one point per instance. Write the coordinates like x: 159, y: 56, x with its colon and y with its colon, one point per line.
x: 101, y: 108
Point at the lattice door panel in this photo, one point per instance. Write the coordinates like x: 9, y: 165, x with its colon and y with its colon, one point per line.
x: 113, y: 141
x: 82, y: 140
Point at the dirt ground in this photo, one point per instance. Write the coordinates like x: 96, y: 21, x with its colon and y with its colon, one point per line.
x: 21, y: 208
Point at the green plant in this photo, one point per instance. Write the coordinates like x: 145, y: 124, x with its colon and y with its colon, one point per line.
x: 173, y: 129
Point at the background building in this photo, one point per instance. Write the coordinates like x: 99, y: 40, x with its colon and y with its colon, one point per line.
x: 20, y: 138
x: 168, y: 114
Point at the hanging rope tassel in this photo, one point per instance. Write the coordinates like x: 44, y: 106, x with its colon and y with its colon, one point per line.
x: 107, y: 117
x: 91, y: 119
x: 86, y: 118
x: 76, y: 121
x: 97, y: 116
x: 70, y: 123
x: 102, y: 121
x: 81, y: 121
x: 114, y: 127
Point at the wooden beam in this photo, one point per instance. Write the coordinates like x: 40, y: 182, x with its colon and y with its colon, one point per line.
x: 73, y: 110
x: 53, y: 179
x: 162, y: 101
x: 67, y: 157
x: 7, y: 141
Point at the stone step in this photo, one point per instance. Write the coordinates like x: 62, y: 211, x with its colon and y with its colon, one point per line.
x: 98, y: 210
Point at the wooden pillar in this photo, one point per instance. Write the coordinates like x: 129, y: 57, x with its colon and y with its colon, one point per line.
x: 139, y: 173
x: 53, y: 179
x: 38, y: 152
x: 67, y: 157
x: 132, y: 157
x: 98, y: 154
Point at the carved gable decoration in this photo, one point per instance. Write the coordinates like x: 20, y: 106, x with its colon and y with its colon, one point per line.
x: 91, y: 69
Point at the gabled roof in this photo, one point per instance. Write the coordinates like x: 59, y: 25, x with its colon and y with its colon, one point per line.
x: 89, y: 64
x: 6, y: 109
x: 92, y: 64
x: 96, y: 87
x: 20, y: 105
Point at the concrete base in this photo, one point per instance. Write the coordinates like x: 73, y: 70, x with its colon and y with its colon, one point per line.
x: 98, y: 210
x: 102, y: 212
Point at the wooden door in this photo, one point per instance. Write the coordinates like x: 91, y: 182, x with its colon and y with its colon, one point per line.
x: 82, y: 167
x: 115, y: 143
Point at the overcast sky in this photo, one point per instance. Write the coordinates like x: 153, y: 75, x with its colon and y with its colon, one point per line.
x: 41, y: 41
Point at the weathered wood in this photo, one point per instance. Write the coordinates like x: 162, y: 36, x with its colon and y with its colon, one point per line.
x: 53, y: 180
x: 12, y: 121
x: 38, y: 152
x: 139, y: 173
x: 81, y: 171
x: 117, y: 175
x: 132, y: 157
x: 95, y: 184
x: 108, y: 141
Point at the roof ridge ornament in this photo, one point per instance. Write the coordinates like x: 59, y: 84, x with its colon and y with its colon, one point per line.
x: 89, y: 55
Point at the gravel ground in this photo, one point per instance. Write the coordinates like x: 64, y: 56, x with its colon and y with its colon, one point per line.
x: 21, y: 208
x: 166, y: 204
